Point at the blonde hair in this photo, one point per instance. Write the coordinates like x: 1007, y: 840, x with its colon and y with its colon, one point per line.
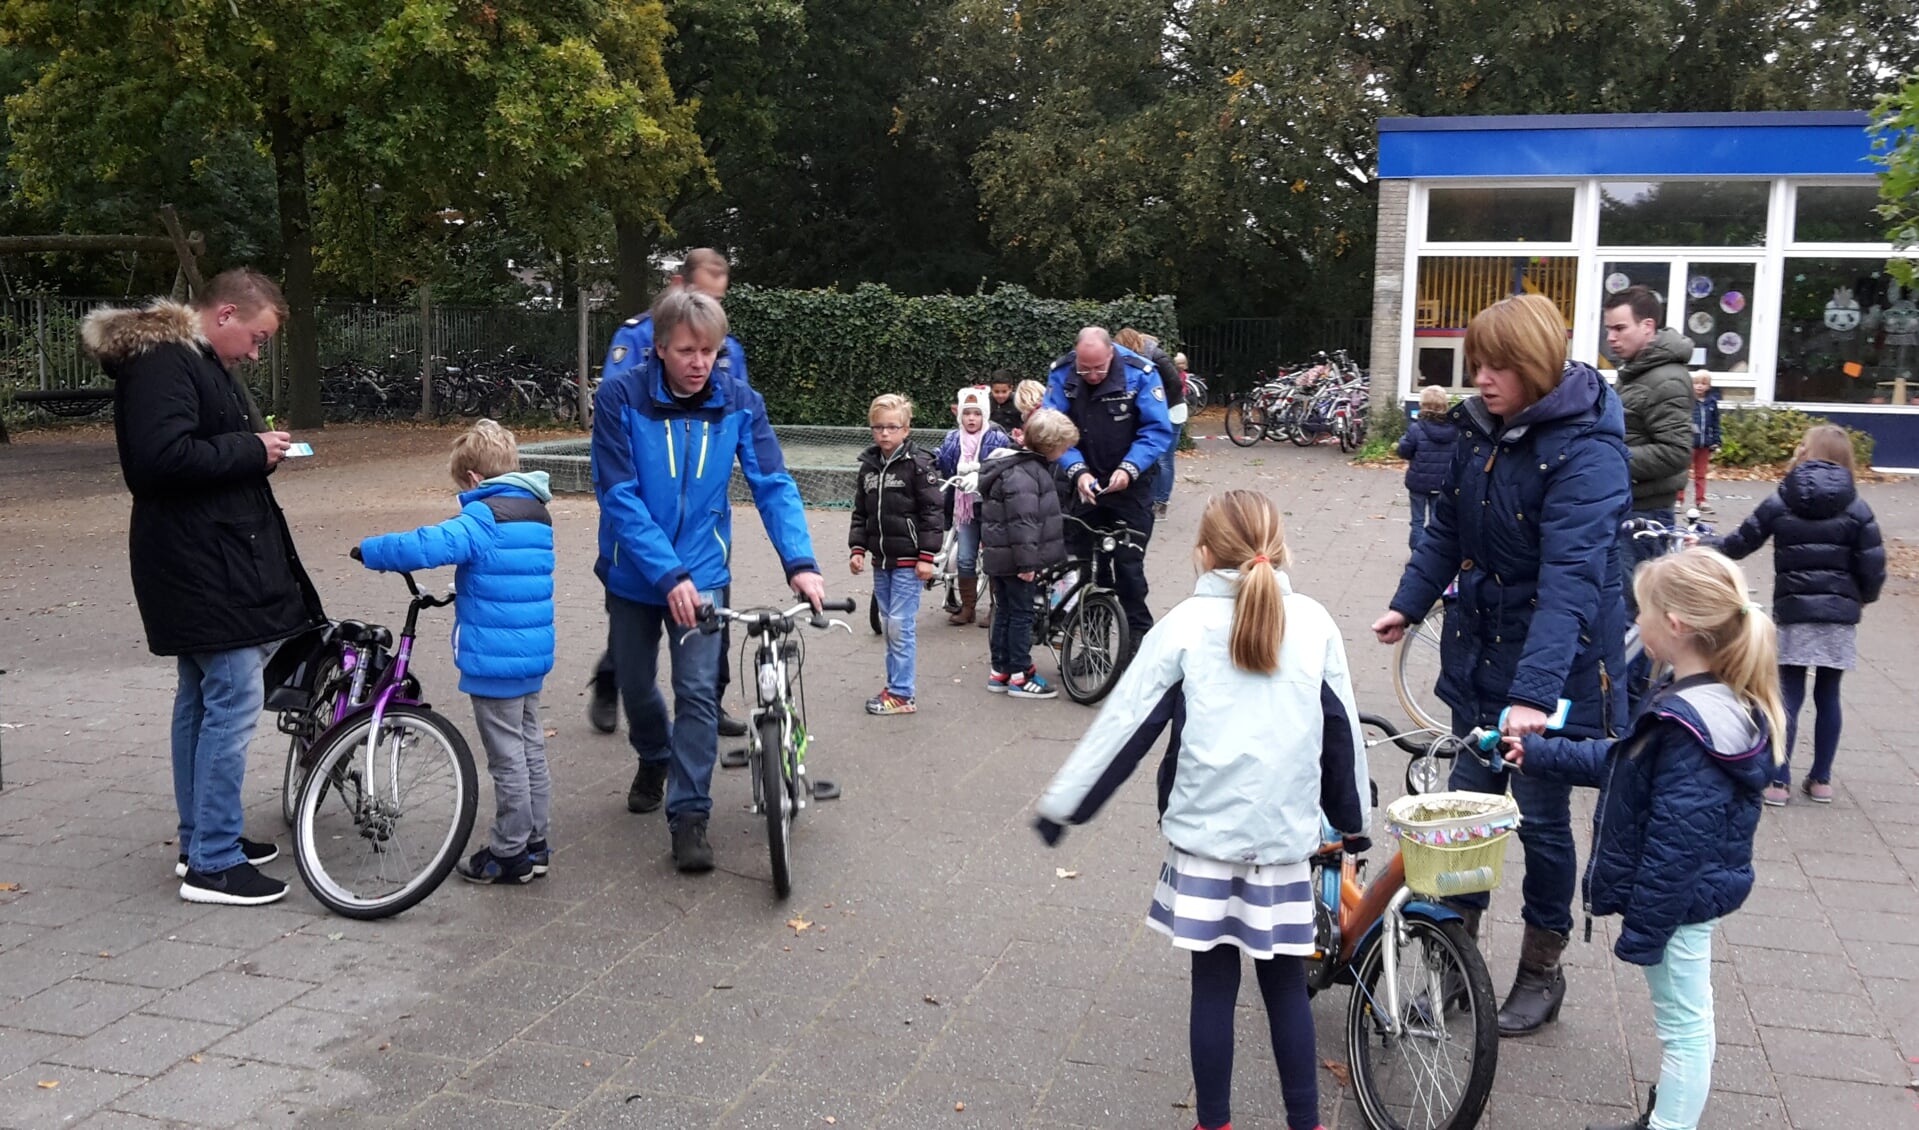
x: 1828, y: 442
x: 890, y: 402
x: 1706, y: 373
x: 1179, y: 361
x: 1049, y: 433
x: 486, y: 449
x: 1028, y: 396
x: 1131, y: 339
x: 1524, y: 333
x: 683, y: 304
x: 1432, y: 398
x: 1243, y: 530
x: 247, y: 289
x: 1706, y: 593
x: 704, y: 259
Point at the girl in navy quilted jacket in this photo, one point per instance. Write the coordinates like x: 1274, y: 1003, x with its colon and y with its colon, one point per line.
x: 1828, y: 563
x: 1679, y: 802
x: 501, y: 543
x: 1427, y: 448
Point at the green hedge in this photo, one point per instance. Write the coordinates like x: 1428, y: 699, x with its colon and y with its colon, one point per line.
x: 1753, y: 436
x: 821, y: 356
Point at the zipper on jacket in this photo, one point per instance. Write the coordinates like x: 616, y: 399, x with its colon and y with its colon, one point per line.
x: 685, y: 450
x: 1605, y: 699
x: 706, y: 433
x: 1599, y: 832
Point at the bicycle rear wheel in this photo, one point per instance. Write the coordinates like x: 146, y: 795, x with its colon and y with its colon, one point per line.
x: 1437, y: 1072
x: 331, y: 685
x: 777, y: 803
x: 1245, y: 422
x: 374, y: 837
x: 1094, y: 647
x: 1416, y: 670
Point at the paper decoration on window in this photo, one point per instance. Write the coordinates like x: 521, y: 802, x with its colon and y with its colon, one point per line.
x: 1700, y: 322
x: 1730, y: 343
x: 1732, y: 302
x: 1616, y: 282
x: 1842, y: 313
x: 1699, y: 287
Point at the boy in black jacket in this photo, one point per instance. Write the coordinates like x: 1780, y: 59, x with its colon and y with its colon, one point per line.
x: 1021, y: 533
x: 898, y: 517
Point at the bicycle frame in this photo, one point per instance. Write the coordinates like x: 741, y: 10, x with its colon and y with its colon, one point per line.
x: 1363, y: 914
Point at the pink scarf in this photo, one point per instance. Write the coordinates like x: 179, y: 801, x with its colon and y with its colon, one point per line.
x: 969, y: 453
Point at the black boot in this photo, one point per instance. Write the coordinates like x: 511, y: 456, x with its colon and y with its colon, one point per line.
x: 648, y: 790
x: 603, y: 711
x: 731, y: 727
x: 691, y: 853
x: 1640, y: 1123
x: 1539, y: 987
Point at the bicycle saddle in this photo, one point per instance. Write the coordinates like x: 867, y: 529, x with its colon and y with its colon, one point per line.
x: 357, y: 632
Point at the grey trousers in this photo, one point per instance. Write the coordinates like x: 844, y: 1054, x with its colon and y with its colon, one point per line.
x: 516, y: 757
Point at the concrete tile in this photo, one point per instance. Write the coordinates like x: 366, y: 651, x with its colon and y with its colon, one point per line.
x: 19, y: 1048
x: 229, y: 998
x: 540, y: 1074
x: 772, y: 1105
x: 712, y: 1070
x: 465, y: 1112
x: 75, y: 1007
x: 455, y: 1030
x: 217, y: 1091
x: 55, y: 906
x: 382, y: 1083
x: 30, y: 969
x: 983, y: 1049
x: 140, y: 1045
x: 604, y: 1024
x: 630, y: 1107
x: 28, y: 1106
x: 304, y: 957
x: 1817, y: 1011
x: 163, y: 964
x: 300, y: 1037
x: 246, y: 932
x: 1817, y: 1103
x: 107, y: 932
x: 520, y: 987
x: 929, y: 1099
x: 1884, y: 959
x: 568, y: 945
x: 1109, y: 1096
x: 1832, y: 1055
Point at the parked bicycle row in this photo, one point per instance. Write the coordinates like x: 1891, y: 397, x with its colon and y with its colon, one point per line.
x: 506, y: 385
x: 1324, y: 398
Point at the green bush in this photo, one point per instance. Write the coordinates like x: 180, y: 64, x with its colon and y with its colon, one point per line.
x: 820, y: 356
x: 1754, y: 436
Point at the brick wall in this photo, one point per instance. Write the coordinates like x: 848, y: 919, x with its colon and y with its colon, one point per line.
x: 1389, y: 288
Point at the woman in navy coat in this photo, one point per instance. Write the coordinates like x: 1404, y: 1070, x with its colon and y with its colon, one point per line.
x: 1528, y: 525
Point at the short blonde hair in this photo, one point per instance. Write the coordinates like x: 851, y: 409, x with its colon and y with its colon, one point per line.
x: 1179, y: 361
x: 890, y: 402
x: 1525, y: 334
x: 1706, y: 373
x: 1828, y: 442
x: 681, y: 304
x: 1049, y: 433
x: 1432, y: 400
x: 486, y: 449
x: 1029, y: 396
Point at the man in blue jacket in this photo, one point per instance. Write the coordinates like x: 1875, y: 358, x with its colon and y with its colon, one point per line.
x: 1115, y: 398
x: 708, y: 272
x: 666, y: 432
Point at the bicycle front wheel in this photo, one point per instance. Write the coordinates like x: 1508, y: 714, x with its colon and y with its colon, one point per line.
x: 1436, y: 1073
x: 1245, y: 422
x: 380, y: 823
x: 776, y: 801
x: 1093, y: 650
x: 1416, y: 670
x: 331, y: 685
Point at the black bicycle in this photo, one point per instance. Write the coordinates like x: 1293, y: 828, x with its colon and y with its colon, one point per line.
x: 1079, y: 616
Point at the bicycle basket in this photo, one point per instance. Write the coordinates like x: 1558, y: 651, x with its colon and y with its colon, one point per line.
x: 1452, y: 843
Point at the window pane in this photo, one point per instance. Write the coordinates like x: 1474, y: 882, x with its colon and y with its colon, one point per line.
x: 1719, y: 314
x: 1838, y: 214
x: 1678, y: 213
x: 1452, y: 288
x: 1616, y: 276
x: 1846, y: 334
x: 1499, y: 215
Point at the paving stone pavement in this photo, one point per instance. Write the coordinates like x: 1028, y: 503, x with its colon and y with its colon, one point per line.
x: 946, y: 960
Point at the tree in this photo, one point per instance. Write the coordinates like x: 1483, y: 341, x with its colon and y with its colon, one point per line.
x: 447, y: 106
x: 1897, y: 126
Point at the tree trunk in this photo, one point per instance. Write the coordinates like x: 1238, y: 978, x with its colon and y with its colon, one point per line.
x: 634, y: 251
x: 296, y: 237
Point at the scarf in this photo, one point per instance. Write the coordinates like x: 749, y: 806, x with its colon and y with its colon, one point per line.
x: 969, y: 453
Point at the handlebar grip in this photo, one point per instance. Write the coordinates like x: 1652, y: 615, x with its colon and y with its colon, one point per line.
x: 847, y: 605
x: 706, y: 620
x: 355, y: 554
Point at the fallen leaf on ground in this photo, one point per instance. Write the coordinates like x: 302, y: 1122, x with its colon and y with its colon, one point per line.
x: 831, y: 1121
x: 9, y: 886
x: 384, y: 1047
x: 552, y: 733
x: 104, y: 953
x: 930, y: 999
x: 699, y: 1039
x: 1063, y: 873
x: 798, y: 925
x: 195, y: 1059
x: 959, y: 1106
x: 47, y: 1084
x: 1340, y: 1072
x: 335, y: 936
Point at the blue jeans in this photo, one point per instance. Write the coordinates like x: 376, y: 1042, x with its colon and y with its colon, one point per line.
x: 1681, y: 987
x: 967, y: 549
x: 689, y: 744
x: 1163, y: 486
x: 1010, y: 643
x: 897, y: 592
x: 1546, y: 835
x: 1422, y: 505
x: 214, y: 711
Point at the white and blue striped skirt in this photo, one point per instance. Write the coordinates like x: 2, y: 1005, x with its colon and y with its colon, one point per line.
x: 1264, y: 910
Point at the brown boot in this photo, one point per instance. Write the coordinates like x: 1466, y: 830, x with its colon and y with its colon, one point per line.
x: 969, y: 598
x: 1538, y: 988
x: 986, y: 608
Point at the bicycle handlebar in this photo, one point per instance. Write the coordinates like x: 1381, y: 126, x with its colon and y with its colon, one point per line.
x: 767, y: 619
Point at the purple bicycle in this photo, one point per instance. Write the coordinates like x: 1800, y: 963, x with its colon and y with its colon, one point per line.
x: 381, y: 791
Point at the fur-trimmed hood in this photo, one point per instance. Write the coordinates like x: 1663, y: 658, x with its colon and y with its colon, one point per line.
x: 120, y: 333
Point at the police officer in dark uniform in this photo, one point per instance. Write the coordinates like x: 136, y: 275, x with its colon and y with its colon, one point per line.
x: 1115, y: 398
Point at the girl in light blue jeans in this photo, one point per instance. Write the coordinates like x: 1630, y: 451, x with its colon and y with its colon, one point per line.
x: 1672, y: 837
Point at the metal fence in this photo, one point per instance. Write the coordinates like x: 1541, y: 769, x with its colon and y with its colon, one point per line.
x: 1231, y: 354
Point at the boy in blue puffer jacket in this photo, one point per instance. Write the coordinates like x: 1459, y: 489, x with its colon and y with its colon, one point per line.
x: 501, y: 544
x: 1679, y: 803
x: 1427, y: 447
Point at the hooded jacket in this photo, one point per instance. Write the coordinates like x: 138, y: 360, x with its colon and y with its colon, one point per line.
x: 1427, y: 447
x: 1828, y: 561
x: 1528, y: 525
x: 1656, y: 389
x: 1020, y: 524
x: 1122, y: 420
x: 1253, y: 759
x: 213, y: 562
x: 661, y: 470
x: 898, y: 509
x: 1680, y: 801
x: 501, y: 544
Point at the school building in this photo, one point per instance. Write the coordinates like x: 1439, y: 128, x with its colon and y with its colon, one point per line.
x: 1757, y: 229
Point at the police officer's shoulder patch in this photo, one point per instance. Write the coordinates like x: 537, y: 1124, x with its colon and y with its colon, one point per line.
x: 1159, y: 392
x: 631, y: 322
x: 619, y: 354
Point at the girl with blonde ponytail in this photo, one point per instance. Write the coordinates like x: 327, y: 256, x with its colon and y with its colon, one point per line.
x: 1252, y: 677
x: 1672, y: 835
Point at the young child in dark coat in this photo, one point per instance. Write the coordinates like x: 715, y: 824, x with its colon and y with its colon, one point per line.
x: 1021, y: 533
x: 1705, y: 437
x: 899, y: 520
x: 1679, y: 803
x: 1428, y: 448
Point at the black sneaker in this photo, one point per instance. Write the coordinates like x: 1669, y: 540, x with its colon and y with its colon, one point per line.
x: 648, y: 790
x: 604, y: 709
x: 731, y: 727
x: 691, y: 853
x: 541, y: 855
x: 256, y: 853
x: 485, y: 867
x: 239, y: 885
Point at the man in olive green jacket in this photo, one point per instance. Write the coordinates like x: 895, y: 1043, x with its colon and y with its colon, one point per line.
x: 1655, y: 387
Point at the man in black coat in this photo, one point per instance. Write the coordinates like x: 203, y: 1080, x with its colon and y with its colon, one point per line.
x: 214, y: 570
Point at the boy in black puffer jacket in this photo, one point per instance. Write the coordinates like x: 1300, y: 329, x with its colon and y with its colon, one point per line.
x: 1021, y: 532
x: 1428, y: 448
x: 898, y: 518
